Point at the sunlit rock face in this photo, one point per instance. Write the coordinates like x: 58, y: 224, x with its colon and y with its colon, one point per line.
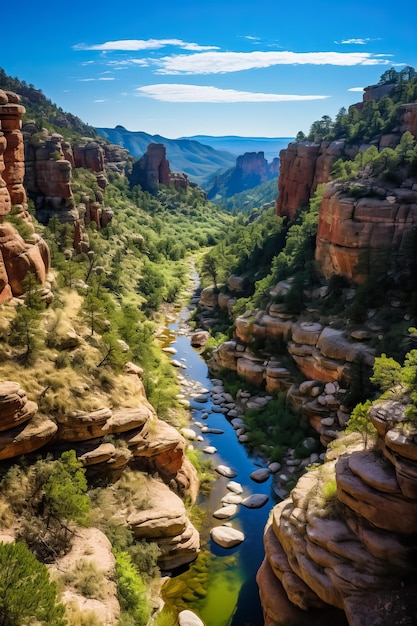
x: 353, y: 550
x: 17, y: 256
x: 354, y: 234
x: 304, y: 165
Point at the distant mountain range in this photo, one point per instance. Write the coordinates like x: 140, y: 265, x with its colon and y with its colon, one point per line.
x: 200, y: 157
x: 270, y: 146
x: 200, y: 162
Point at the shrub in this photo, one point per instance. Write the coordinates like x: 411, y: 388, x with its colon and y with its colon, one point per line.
x: 86, y: 578
x: 26, y: 591
x: 131, y: 590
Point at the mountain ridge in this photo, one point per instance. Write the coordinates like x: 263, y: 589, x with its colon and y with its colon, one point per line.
x: 198, y: 161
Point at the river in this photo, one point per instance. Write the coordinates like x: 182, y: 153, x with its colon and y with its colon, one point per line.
x: 220, y: 585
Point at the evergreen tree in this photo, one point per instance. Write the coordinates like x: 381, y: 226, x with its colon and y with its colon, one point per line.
x: 27, y: 595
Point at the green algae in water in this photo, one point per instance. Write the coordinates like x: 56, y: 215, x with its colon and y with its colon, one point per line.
x: 210, y: 588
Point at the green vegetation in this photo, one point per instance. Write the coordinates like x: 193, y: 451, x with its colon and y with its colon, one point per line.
x: 249, y: 242
x: 389, y: 164
x: 359, y: 422
x: 27, y: 595
x: 46, y: 498
x: 374, y: 118
x: 134, y: 605
x: 247, y: 201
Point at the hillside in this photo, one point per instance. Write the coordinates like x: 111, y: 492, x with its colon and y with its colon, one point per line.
x: 197, y: 160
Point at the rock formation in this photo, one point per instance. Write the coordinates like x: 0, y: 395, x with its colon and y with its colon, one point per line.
x: 355, y: 234
x: 304, y: 165
x: 50, y: 161
x: 251, y: 170
x: 153, y: 170
x: 17, y: 256
x: 352, y: 547
x: 165, y: 521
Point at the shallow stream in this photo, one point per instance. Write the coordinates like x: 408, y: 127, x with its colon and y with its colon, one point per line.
x: 220, y: 585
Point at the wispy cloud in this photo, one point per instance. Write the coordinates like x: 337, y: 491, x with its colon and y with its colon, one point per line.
x: 223, y: 62
x: 356, y: 89
x: 198, y: 93
x: 91, y: 80
x: 359, y: 41
x: 133, y: 45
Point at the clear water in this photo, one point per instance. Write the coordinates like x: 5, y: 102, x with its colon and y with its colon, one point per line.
x: 220, y: 585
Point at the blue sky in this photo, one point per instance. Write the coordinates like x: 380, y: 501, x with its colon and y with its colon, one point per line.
x: 181, y: 68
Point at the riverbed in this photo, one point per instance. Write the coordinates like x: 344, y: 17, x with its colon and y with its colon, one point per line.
x: 220, y: 586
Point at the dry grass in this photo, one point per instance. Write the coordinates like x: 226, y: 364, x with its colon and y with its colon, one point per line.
x: 86, y: 579
x: 77, y: 617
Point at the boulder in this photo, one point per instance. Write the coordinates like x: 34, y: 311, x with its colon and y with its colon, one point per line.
x: 199, y: 338
x: 255, y: 501
x: 226, y: 471
x: 188, y: 618
x: 225, y: 512
x: 226, y: 536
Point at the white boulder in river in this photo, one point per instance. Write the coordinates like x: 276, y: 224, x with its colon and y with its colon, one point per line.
x: 226, y: 511
x: 226, y: 536
x: 232, y: 485
x: 225, y: 470
x: 188, y: 618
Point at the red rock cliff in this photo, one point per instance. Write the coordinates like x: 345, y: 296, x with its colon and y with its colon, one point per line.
x: 152, y: 169
x: 17, y: 256
x: 304, y: 165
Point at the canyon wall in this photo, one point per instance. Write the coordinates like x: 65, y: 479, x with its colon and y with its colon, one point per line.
x: 18, y: 256
x: 346, y: 536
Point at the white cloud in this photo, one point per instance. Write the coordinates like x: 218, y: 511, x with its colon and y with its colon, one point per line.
x: 91, y: 80
x: 356, y: 89
x: 100, y: 100
x: 198, y: 93
x: 222, y: 62
x: 133, y: 45
x: 361, y: 41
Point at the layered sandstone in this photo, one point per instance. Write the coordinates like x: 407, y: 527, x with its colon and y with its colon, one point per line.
x: 304, y: 165
x: 355, y: 234
x: 165, y: 521
x: 353, y: 550
x: 18, y: 257
x: 21, y: 430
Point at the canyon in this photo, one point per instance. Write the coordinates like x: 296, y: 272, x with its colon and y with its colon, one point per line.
x: 352, y: 551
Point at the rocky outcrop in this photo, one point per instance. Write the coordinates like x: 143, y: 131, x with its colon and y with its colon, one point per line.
x: 89, y: 547
x: 50, y: 161
x: 251, y: 170
x: 21, y: 430
x: 153, y: 170
x: 165, y: 521
x: 304, y: 165
x: 320, y: 352
x: 18, y: 257
x: 353, y: 546
x: 355, y: 234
